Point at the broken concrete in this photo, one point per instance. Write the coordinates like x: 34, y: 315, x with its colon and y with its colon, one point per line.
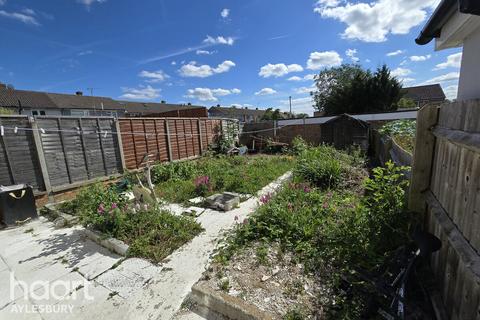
x: 223, y: 201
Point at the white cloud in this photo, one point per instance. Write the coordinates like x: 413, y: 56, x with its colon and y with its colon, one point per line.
x: 319, y: 60
x: 84, y: 53
x: 308, y: 77
x: 154, y: 76
x: 88, y: 3
x: 141, y: 93
x: 420, y: 58
x: 279, y: 70
x: 395, y: 53
x: 453, y: 61
x: 444, y: 78
x: 303, y: 90
x: 193, y: 70
x: 22, y: 17
x: 265, y: 92
x: 372, y: 22
x: 225, y: 13
x: 207, y: 94
x: 173, y: 63
x: 328, y: 3
x: 451, y: 92
x: 205, y: 52
x: 219, y: 40
x: 352, y: 54
x: 401, y: 72
x: 406, y: 80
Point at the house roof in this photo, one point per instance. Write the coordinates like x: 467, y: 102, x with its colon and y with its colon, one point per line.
x: 43, y: 100
x: 27, y: 99
x: 442, y: 14
x: 152, y: 107
x: 236, y: 111
x: 433, y: 92
x: 72, y: 101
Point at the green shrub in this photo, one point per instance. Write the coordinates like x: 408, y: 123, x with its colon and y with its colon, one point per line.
x: 173, y: 171
x: 299, y: 145
x: 319, y: 166
x: 399, y: 127
x: 98, y: 206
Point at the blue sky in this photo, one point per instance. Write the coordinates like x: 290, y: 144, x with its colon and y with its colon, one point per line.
x: 253, y: 53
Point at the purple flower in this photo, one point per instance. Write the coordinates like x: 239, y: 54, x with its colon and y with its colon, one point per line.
x: 266, y: 198
x: 306, y: 189
x: 245, y: 221
x: 325, y: 205
x: 202, y: 180
x: 101, y: 209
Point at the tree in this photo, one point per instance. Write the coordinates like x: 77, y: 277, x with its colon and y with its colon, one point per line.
x: 271, y: 114
x: 406, y: 103
x: 351, y: 89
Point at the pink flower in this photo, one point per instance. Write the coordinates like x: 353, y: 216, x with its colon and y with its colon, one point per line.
x: 245, y: 221
x: 266, y: 198
x: 306, y: 189
x: 325, y: 205
x: 101, y: 209
x: 290, y: 206
x: 114, y: 206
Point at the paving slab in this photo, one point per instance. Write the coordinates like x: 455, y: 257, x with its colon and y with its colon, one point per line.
x: 10, y: 291
x: 20, y: 311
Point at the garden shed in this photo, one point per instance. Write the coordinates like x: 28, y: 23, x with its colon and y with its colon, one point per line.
x: 344, y: 131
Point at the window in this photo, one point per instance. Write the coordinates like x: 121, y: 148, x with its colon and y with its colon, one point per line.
x: 34, y: 113
x: 42, y: 113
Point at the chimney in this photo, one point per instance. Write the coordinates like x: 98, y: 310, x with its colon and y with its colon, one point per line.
x: 79, y: 93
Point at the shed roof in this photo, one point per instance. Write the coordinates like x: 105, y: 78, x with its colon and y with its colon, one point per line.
x: 71, y: 101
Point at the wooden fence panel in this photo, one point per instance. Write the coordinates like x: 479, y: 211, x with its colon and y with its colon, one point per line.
x: 182, y: 138
x: 18, y: 158
x: 446, y: 181
x: 77, y: 150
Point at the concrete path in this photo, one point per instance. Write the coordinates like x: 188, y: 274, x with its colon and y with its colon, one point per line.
x: 73, y: 278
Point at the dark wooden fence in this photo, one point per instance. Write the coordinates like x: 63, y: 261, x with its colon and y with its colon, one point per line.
x: 53, y: 154
x: 445, y: 187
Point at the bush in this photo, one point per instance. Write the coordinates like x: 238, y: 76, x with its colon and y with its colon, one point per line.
x: 399, y: 127
x: 319, y: 166
x: 98, y: 206
x: 173, y: 171
x: 299, y: 145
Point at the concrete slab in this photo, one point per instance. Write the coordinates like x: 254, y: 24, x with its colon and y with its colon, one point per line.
x: 20, y: 311
x: 10, y: 291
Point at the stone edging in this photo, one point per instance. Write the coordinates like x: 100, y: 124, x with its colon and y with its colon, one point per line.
x: 112, y: 244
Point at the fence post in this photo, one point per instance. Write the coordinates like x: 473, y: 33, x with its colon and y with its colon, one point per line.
x: 200, y: 136
x: 120, y: 144
x: 169, y: 141
x: 423, y: 158
x: 41, y: 157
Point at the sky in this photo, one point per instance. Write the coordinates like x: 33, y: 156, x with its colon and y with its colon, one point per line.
x: 249, y: 53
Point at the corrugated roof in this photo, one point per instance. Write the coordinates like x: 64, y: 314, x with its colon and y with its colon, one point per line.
x: 425, y: 93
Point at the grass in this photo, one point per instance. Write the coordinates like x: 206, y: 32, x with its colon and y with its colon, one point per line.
x: 179, y: 182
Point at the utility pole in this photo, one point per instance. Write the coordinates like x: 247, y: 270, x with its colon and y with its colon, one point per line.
x: 290, y: 99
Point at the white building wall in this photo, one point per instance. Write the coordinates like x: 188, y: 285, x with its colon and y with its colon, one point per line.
x: 469, y: 84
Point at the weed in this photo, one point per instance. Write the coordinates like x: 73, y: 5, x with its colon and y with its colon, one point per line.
x: 29, y: 230
x: 224, y: 285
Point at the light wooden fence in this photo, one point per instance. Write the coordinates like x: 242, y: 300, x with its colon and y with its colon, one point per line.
x: 53, y: 154
x: 446, y: 187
